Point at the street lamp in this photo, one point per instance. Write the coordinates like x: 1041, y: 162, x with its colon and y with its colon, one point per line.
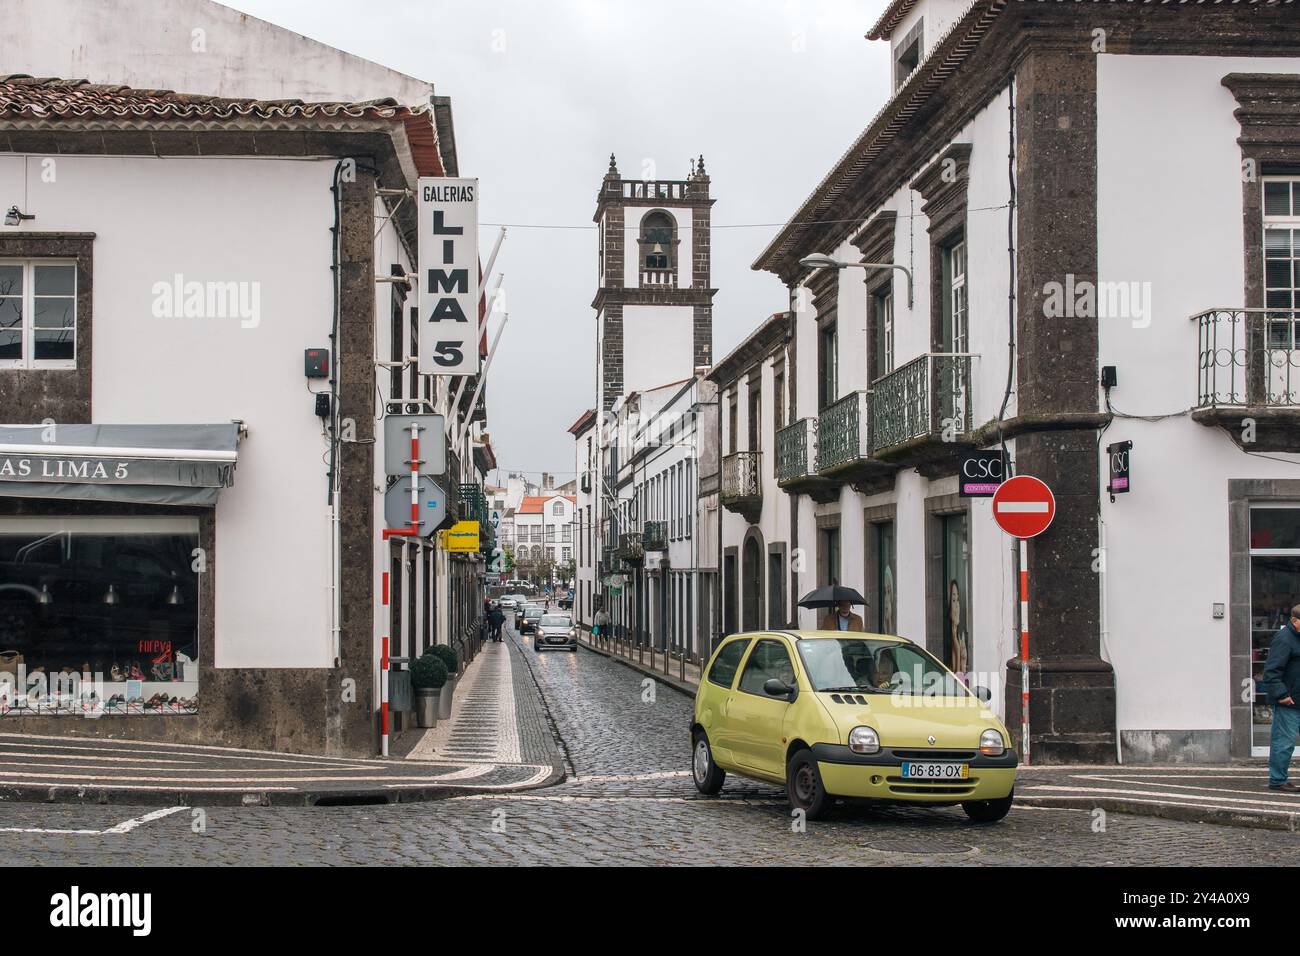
x: 829, y: 262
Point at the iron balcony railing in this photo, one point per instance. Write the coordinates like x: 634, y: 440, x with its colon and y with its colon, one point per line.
x: 796, y: 451
x: 844, y: 432
x: 929, y: 397
x: 1248, y: 357
x: 630, y: 547
x: 742, y: 478
x: 654, y: 536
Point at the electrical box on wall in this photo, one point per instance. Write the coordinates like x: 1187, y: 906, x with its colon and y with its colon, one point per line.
x: 316, y: 363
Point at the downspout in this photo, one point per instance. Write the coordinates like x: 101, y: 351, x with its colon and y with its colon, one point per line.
x: 336, y: 532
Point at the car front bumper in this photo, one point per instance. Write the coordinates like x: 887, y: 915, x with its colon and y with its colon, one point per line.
x: 879, y: 776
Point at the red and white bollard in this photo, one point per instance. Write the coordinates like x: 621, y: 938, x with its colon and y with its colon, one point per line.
x: 1024, y: 650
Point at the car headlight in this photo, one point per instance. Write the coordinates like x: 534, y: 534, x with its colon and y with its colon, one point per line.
x: 992, y: 744
x: 573, y: 632
x: 864, y: 740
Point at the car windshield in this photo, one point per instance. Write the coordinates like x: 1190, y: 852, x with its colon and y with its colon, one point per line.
x: 556, y: 620
x: 532, y: 612
x: 876, y: 666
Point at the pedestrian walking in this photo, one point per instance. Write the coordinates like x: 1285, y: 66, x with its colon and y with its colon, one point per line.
x: 1281, y: 682
x: 496, y: 618
x: 601, y: 626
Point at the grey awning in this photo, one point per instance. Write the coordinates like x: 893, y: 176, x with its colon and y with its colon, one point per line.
x: 146, y: 464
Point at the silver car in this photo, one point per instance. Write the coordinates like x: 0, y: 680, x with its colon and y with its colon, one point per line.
x: 555, y: 630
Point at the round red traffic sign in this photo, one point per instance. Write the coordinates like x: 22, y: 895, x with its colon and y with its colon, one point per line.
x: 1024, y: 506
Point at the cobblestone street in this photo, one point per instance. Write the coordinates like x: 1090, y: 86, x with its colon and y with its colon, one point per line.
x: 629, y: 799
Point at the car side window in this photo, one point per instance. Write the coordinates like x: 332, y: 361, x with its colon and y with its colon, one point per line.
x: 770, y: 659
x: 723, y: 671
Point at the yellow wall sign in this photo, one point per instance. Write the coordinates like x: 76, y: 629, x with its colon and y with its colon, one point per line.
x: 462, y: 537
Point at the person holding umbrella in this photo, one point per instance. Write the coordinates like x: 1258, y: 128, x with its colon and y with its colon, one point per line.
x: 840, y: 601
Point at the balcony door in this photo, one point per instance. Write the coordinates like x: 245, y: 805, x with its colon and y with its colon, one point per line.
x: 948, y: 379
x: 1282, y: 288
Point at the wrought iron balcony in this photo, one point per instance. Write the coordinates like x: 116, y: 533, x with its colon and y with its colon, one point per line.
x: 630, y: 548
x: 1248, y: 366
x: 844, y: 448
x: 796, y: 461
x: 654, y: 536
x: 922, y: 408
x: 742, y: 484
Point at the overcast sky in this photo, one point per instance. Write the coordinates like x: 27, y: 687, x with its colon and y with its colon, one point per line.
x: 772, y: 93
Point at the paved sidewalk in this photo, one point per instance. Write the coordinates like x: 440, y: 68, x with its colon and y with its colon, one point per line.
x: 497, y: 740
x: 1236, y: 794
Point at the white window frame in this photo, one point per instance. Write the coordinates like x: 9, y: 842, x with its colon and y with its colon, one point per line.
x: 28, y: 360
x: 1290, y: 337
x: 958, y: 303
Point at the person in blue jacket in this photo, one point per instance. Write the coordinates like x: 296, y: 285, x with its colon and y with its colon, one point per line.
x: 1281, y: 682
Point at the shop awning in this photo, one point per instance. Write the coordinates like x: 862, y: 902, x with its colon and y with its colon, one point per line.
x: 144, y: 464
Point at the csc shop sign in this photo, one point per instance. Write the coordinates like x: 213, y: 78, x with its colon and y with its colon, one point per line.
x: 980, y: 474
x: 447, y: 216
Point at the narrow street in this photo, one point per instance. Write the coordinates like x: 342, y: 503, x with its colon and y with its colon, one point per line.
x: 628, y: 800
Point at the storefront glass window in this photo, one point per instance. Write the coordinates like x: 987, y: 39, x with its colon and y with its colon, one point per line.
x: 885, y: 558
x: 1274, y: 590
x: 956, y: 595
x: 114, y: 601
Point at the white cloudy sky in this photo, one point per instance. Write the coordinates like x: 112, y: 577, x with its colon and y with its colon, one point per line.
x: 770, y: 92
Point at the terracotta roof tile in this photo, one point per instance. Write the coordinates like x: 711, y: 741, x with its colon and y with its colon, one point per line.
x: 50, y: 100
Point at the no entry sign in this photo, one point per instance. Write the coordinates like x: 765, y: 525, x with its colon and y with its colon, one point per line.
x: 1024, y: 506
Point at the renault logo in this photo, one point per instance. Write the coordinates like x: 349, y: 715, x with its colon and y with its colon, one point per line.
x: 931, y: 739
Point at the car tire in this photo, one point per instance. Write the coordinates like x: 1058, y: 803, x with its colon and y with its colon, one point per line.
x: 804, y: 787
x: 988, y: 811
x: 708, y: 776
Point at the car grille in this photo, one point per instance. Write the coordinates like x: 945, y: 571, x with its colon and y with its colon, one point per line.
x: 956, y: 788
x: 935, y: 754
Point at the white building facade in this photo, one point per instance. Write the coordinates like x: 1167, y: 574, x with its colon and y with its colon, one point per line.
x: 1024, y: 274
x: 245, y: 583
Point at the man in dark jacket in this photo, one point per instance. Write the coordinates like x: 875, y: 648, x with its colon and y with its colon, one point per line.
x: 496, y: 618
x: 1281, y: 682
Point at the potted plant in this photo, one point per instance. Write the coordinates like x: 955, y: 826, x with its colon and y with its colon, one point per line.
x: 428, y: 677
x: 447, y: 656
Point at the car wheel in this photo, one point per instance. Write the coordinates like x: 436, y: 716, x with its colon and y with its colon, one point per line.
x: 988, y: 811
x: 803, y: 784
x: 708, y: 776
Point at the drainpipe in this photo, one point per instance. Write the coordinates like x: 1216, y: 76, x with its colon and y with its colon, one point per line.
x: 335, y: 466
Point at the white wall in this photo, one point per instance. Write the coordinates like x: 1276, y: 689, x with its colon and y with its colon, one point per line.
x: 658, y: 347
x: 1169, y: 213
x: 153, y: 44
x: 272, y: 604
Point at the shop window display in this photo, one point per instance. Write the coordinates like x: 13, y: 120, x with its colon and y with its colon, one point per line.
x: 1274, y: 590
x: 98, y: 614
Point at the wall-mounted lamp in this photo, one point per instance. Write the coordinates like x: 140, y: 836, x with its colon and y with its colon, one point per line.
x: 827, y: 262
x: 45, y: 597
x: 15, y: 217
x: 110, y: 596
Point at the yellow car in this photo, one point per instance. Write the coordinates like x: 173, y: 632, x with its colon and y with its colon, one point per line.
x: 834, y: 714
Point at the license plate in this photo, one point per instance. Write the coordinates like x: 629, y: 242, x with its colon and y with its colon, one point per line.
x: 935, y: 771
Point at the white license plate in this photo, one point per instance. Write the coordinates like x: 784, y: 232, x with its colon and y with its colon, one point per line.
x: 935, y: 771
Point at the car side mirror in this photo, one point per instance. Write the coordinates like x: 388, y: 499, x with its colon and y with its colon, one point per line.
x: 775, y: 687
x: 984, y: 694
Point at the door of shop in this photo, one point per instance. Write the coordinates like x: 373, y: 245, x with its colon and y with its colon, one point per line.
x: 1274, y: 591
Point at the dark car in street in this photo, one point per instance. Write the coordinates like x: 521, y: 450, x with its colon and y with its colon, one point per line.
x: 533, y: 613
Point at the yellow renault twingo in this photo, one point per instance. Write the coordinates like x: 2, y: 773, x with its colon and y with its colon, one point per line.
x: 835, y: 714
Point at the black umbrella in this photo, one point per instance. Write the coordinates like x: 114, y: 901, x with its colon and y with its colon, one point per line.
x: 830, y: 596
